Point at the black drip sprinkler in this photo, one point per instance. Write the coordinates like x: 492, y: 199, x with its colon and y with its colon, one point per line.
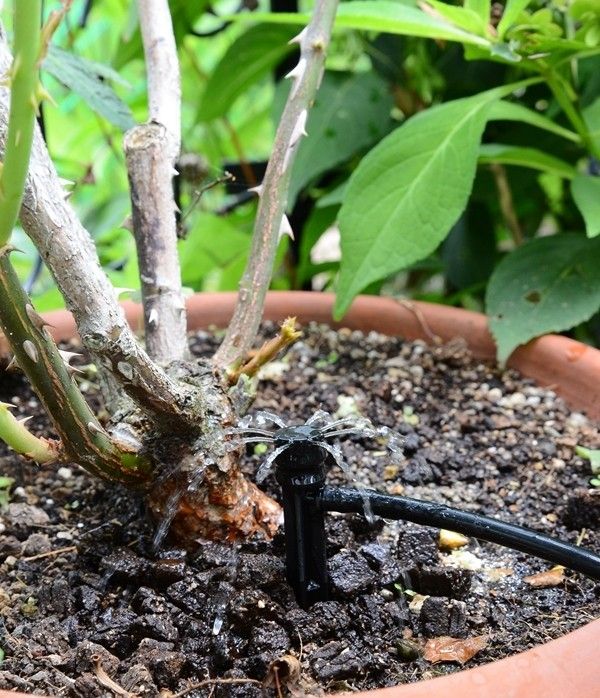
x: 301, y: 470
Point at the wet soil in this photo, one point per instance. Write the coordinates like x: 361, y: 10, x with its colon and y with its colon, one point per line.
x: 85, y: 602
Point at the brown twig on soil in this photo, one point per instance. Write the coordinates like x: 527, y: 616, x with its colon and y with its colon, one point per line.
x: 106, y: 681
x: 207, y: 682
x: 436, y: 339
x: 288, y: 334
x: 51, y: 553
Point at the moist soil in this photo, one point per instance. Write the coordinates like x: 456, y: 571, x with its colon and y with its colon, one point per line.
x: 87, y: 609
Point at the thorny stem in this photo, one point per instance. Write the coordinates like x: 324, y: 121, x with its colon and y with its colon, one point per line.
x: 68, y: 251
x: 82, y: 438
x: 270, y: 219
x: 152, y: 150
x: 24, y: 96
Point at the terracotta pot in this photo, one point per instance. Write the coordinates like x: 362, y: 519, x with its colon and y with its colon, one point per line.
x: 565, y: 667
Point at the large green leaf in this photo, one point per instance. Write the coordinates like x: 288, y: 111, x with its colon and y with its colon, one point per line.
x: 381, y: 16
x: 548, y: 285
x: 512, y: 111
x: 88, y: 80
x: 481, y: 7
x: 586, y: 194
x: 408, y: 191
x: 524, y: 157
x: 251, y: 56
x: 350, y: 113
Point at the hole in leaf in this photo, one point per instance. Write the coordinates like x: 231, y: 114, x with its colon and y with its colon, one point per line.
x: 533, y: 297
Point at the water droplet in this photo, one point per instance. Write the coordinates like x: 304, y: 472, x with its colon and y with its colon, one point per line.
x: 263, y: 416
x: 320, y: 416
x: 167, y: 518
x: 267, y: 464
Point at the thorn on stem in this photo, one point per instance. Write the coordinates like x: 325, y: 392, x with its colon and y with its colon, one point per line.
x: 285, y: 228
x: 35, y: 318
x: 30, y: 349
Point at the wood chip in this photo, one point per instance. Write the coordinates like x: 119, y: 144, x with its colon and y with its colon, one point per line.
x: 549, y: 578
x: 451, y: 649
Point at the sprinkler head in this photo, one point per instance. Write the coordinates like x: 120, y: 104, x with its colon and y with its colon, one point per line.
x: 302, y: 448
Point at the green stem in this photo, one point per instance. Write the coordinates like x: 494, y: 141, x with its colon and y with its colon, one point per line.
x: 83, y: 440
x: 23, y: 107
x: 14, y: 432
x: 572, y: 113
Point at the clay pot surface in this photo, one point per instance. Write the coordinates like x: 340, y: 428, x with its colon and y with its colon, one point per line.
x: 566, y: 667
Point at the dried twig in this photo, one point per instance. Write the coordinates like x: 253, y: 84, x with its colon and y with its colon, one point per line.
x: 208, y: 682
x: 51, y: 553
x: 288, y: 334
x: 106, y: 681
x: 507, y: 206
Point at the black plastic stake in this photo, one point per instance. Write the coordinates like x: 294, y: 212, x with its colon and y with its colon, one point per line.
x: 301, y: 470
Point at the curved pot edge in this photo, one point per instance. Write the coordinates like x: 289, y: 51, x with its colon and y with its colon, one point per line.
x: 566, y: 666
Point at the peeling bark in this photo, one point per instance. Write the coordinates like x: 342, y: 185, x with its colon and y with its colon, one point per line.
x: 151, y: 151
x: 150, y: 167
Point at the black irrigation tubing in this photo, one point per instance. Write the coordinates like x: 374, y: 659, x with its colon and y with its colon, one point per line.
x: 345, y: 499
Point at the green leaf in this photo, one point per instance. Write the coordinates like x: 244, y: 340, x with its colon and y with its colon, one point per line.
x: 585, y: 190
x: 591, y: 454
x: 512, y: 111
x: 461, y: 17
x: 380, y: 16
x: 350, y: 113
x: 550, y: 284
x: 251, y: 56
x: 83, y: 77
x: 480, y: 7
x: 407, y: 193
x: 335, y: 197
x: 211, y: 248
x: 524, y: 157
x: 512, y: 10
x: 591, y: 116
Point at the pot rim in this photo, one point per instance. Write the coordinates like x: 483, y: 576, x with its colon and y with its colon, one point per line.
x: 565, y: 666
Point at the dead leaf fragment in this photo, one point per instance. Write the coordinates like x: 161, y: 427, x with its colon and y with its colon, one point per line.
x: 451, y: 649
x: 283, y: 671
x: 549, y: 578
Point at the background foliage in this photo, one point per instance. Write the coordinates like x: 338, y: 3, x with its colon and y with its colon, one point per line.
x: 453, y: 151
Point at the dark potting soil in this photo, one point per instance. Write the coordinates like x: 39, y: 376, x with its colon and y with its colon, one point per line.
x: 84, y: 602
